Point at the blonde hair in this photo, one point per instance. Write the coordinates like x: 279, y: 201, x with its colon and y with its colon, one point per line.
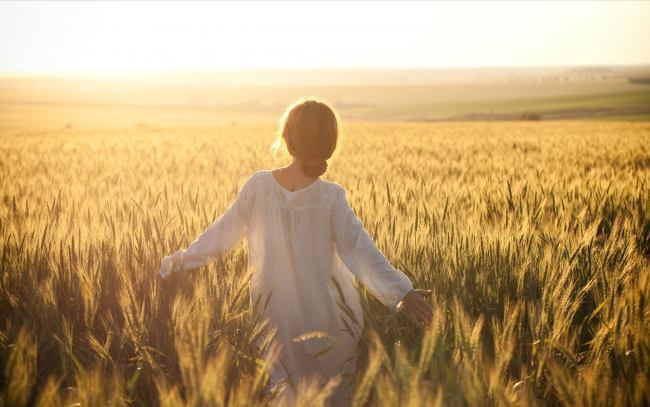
x: 309, y: 128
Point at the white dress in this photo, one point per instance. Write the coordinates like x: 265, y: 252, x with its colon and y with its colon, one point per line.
x: 299, y: 243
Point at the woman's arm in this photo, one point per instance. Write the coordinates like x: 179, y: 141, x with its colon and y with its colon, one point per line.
x: 223, y: 235
x: 358, y: 252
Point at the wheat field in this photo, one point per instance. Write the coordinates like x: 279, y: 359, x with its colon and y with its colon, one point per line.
x: 534, y: 237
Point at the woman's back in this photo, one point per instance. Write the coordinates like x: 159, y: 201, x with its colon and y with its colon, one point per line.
x: 305, y: 248
x: 292, y: 255
x: 292, y: 260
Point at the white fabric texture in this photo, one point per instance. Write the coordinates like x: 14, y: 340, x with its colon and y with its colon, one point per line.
x: 299, y: 244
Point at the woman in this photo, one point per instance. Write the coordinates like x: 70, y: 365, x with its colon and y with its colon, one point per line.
x: 306, y: 250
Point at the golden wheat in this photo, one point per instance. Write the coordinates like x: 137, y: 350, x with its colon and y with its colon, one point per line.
x: 534, y: 237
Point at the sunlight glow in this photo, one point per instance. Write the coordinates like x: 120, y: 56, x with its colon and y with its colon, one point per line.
x: 106, y: 36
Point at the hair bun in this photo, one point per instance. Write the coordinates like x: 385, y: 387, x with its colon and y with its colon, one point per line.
x: 315, y: 167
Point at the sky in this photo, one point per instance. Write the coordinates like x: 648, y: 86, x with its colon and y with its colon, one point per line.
x: 124, y: 36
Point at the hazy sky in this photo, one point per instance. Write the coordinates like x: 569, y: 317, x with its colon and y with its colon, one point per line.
x: 75, y: 36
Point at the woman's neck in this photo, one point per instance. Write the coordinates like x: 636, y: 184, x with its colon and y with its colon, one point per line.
x: 292, y: 177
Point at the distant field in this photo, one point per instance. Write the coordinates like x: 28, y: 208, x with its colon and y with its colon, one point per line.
x: 53, y: 116
x: 201, y: 99
x: 623, y: 106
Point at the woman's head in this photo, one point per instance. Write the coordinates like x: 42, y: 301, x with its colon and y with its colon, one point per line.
x: 310, y: 130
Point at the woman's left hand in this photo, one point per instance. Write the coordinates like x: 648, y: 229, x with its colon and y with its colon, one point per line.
x: 418, y: 307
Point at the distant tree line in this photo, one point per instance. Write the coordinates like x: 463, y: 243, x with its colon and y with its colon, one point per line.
x: 645, y: 80
x: 530, y: 116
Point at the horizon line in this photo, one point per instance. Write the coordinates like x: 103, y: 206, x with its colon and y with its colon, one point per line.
x: 329, y: 68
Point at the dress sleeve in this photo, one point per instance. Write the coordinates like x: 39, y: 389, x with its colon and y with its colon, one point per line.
x: 223, y: 235
x: 358, y: 252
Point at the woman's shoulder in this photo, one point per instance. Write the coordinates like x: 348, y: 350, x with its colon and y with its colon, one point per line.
x: 257, y: 177
x: 253, y: 182
x: 333, y: 188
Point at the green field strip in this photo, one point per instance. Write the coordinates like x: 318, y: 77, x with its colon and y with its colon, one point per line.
x: 514, y: 106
